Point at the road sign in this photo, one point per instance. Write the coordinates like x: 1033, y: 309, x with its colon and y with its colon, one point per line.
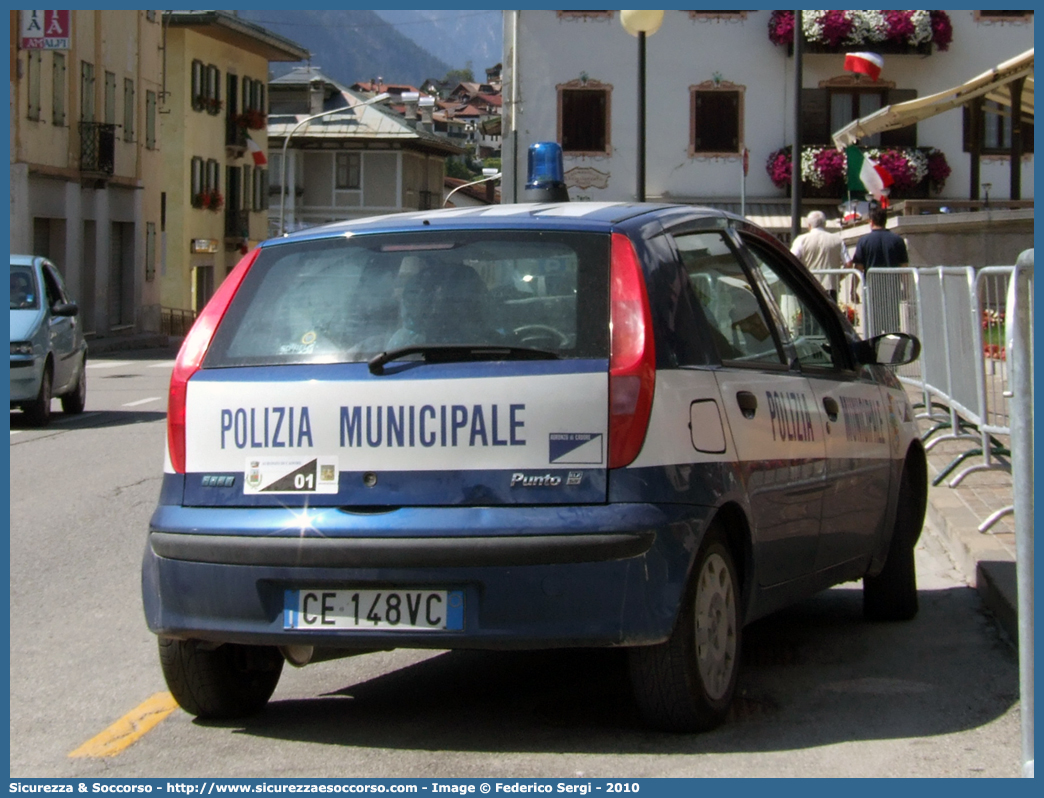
x: 46, y: 30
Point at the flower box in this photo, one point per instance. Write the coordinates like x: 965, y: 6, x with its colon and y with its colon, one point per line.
x: 251, y: 119
x: 208, y: 200
x: 824, y: 170
x: 902, y: 32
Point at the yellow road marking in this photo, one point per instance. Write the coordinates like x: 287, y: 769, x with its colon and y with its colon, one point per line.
x: 128, y: 729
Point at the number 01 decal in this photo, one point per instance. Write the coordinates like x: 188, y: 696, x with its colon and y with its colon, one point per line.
x: 291, y: 475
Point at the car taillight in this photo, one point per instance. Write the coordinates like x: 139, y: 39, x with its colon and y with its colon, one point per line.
x: 632, y: 359
x: 190, y: 357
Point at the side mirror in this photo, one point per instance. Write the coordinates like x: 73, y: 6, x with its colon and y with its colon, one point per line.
x: 889, y: 349
x: 64, y: 309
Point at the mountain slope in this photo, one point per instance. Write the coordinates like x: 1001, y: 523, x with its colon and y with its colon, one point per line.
x: 456, y: 37
x: 351, y: 45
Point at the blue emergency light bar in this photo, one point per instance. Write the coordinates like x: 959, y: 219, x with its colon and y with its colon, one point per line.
x: 545, y: 181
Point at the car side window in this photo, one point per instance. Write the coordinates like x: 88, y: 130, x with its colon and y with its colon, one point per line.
x: 805, y: 324
x: 51, y: 287
x: 741, y: 330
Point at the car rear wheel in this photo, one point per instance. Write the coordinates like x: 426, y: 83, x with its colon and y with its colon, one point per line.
x: 230, y: 681
x: 892, y: 594
x: 74, y: 401
x: 686, y: 684
x: 38, y: 411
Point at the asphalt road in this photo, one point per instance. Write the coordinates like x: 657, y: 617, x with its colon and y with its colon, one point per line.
x: 822, y: 692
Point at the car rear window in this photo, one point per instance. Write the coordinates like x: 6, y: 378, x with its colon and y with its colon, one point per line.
x: 346, y: 299
x: 24, y: 293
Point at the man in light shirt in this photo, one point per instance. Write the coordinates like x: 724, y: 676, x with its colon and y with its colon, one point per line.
x: 819, y: 250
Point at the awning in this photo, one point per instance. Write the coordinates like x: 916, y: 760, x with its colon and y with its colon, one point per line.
x: 991, y: 85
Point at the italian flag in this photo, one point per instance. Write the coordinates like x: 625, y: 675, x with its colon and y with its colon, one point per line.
x: 869, y: 64
x: 256, y: 152
x: 866, y: 175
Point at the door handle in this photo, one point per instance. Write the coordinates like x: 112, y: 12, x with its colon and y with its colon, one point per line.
x: 748, y: 403
x: 831, y: 408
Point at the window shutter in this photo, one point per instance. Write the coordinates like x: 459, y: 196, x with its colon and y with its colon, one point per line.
x: 815, y: 116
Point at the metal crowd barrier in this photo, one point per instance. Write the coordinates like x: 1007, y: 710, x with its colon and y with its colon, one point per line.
x: 958, y: 313
x: 846, y: 286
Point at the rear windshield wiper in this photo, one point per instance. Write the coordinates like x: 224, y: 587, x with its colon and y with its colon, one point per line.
x: 455, y: 353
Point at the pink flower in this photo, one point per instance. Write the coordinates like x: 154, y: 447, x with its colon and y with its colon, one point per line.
x: 902, y: 172
x: 837, y: 25
x: 781, y: 27
x: 778, y: 167
x: 900, y: 25
x: 942, y: 30
x: 938, y: 169
x: 831, y: 165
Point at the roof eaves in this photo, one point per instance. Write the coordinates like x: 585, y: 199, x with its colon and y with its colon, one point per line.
x: 280, y: 44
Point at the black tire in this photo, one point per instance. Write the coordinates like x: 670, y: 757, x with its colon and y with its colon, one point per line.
x: 686, y: 683
x: 38, y: 411
x: 892, y: 594
x: 230, y: 681
x: 74, y: 401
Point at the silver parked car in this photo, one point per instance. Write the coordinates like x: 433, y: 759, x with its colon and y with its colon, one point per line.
x: 48, y: 353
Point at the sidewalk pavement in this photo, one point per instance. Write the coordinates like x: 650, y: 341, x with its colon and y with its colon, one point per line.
x: 987, y: 559
x: 128, y: 343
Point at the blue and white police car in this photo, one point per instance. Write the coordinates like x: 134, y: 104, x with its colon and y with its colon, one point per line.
x: 523, y: 426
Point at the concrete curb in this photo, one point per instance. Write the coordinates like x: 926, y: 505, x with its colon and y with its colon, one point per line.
x: 997, y: 583
x: 984, y: 564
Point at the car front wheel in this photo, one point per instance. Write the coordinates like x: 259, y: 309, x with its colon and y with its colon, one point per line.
x: 686, y: 683
x: 74, y: 401
x: 230, y: 681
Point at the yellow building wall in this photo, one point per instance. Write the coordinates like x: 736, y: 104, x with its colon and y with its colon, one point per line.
x: 193, y: 133
x: 127, y: 44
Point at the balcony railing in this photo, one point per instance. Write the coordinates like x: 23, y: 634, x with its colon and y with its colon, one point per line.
x: 237, y: 223
x: 97, y: 147
x: 175, y: 321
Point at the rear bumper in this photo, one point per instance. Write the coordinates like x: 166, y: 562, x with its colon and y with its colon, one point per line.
x: 532, y: 578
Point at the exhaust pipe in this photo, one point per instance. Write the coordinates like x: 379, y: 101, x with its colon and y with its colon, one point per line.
x: 299, y: 656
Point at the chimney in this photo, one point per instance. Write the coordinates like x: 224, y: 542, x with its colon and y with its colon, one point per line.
x: 426, y: 105
x: 411, y: 99
x: 315, y: 96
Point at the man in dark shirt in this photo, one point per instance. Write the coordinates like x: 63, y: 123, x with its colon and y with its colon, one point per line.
x: 882, y: 249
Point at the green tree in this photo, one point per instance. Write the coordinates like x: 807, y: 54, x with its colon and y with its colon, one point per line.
x: 456, y: 168
x: 455, y: 76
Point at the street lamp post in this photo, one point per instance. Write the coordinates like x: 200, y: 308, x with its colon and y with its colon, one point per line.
x: 641, y: 24
x: 795, y: 150
x: 298, y: 126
